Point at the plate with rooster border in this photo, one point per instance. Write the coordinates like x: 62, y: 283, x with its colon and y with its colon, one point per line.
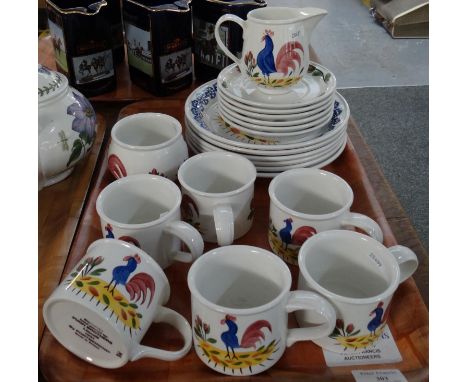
x: 263, y: 161
x: 270, y: 156
x: 204, y: 97
x: 271, y: 172
x: 277, y: 127
x: 316, y: 85
x: 273, y: 114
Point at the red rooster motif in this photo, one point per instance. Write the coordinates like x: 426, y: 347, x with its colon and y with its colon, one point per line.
x: 251, y: 336
x: 138, y: 285
x: 288, y: 56
x: 299, y: 236
x: 116, y: 167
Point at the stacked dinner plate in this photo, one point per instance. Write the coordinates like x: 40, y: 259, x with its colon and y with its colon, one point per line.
x: 304, y: 126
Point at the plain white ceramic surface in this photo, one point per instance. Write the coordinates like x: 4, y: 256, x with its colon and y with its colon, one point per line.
x: 217, y: 189
x: 63, y: 114
x: 275, y: 161
x: 250, y: 287
x: 146, y: 143
x: 311, y: 159
x: 271, y: 173
x: 306, y: 94
x: 145, y: 210
x: 304, y: 202
x: 277, y: 113
x: 89, y: 320
x: 358, y: 276
x: 265, y: 120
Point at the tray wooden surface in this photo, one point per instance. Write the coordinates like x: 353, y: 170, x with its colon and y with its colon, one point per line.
x: 60, y: 207
x: 408, y: 319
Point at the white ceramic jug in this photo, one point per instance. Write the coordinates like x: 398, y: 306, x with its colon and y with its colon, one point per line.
x: 275, y: 54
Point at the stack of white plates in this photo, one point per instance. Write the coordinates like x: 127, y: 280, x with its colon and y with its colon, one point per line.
x: 305, y: 127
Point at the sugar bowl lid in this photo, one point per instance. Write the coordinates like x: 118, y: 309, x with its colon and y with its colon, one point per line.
x: 50, y: 83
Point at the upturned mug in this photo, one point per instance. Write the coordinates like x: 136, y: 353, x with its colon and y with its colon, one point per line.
x: 358, y: 276
x: 146, y: 143
x: 217, y: 195
x: 144, y: 210
x: 104, y: 307
x: 275, y: 52
x: 306, y: 201
x: 241, y: 298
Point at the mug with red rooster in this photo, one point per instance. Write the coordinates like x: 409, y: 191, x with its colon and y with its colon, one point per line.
x: 358, y: 276
x: 275, y: 52
x: 306, y: 201
x: 241, y: 296
x: 103, y: 308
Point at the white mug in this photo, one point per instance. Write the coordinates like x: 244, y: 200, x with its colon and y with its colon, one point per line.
x: 103, y: 308
x: 145, y: 210
x: 306, y: 201
x: 358, y: 276
x: 217, y: 189
x: 146, y: 143
x: 240, y: 303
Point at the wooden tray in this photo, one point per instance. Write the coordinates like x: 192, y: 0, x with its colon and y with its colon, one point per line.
x: 408, y: 318
x: 60, y: 207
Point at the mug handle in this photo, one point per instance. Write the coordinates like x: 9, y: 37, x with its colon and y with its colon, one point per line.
x: 366, y: 224
x: 406, y: 259
x: 180, y: 323
x: 223, y: 47
x: 190, y: 236
x: 305, y: 300
x: 224, y: 224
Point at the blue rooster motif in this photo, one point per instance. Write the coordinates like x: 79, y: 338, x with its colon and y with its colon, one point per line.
x: 138, y: 285
x: 286, y: 59
x: 251, y: 336
x: 299, y: 236
x: 109, y: 234
x: 374, y: 324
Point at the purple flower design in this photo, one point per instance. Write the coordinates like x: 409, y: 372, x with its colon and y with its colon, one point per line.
x: 85, y: 118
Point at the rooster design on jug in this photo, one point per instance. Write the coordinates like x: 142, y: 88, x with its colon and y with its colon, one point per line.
x: 86, y: 280
x: 348, y: 336
x: 288, y: 59
x: 286, y: 243
x: 250, y: 351
x: 116, y: 167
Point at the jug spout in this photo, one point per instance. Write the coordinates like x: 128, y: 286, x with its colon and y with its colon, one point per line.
x: 311, y: 17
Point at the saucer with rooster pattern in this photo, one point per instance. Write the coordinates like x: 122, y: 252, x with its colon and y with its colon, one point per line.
x: 316, y: 85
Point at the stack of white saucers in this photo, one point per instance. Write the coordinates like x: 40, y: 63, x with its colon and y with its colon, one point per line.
x: 303, y: 127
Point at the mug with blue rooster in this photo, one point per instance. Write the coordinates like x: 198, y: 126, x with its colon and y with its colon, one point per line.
x: 241, y: 298
x: 103, y: 308
x: 306, y: 201
x: 275, y: 52
x: 358, y: 276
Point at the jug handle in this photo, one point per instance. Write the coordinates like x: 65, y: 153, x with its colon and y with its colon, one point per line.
x: 223, y: 47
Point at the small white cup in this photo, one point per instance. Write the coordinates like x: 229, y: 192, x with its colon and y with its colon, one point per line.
x: 102, y: 310
x: 241, y: 298
x: 218, y: 190
x: 358, y: 276
x: 306, y: 201
x: 145, y: 210
x: 146, y: 143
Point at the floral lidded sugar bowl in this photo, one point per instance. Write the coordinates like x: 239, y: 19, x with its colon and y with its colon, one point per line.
x: 67, y: 127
